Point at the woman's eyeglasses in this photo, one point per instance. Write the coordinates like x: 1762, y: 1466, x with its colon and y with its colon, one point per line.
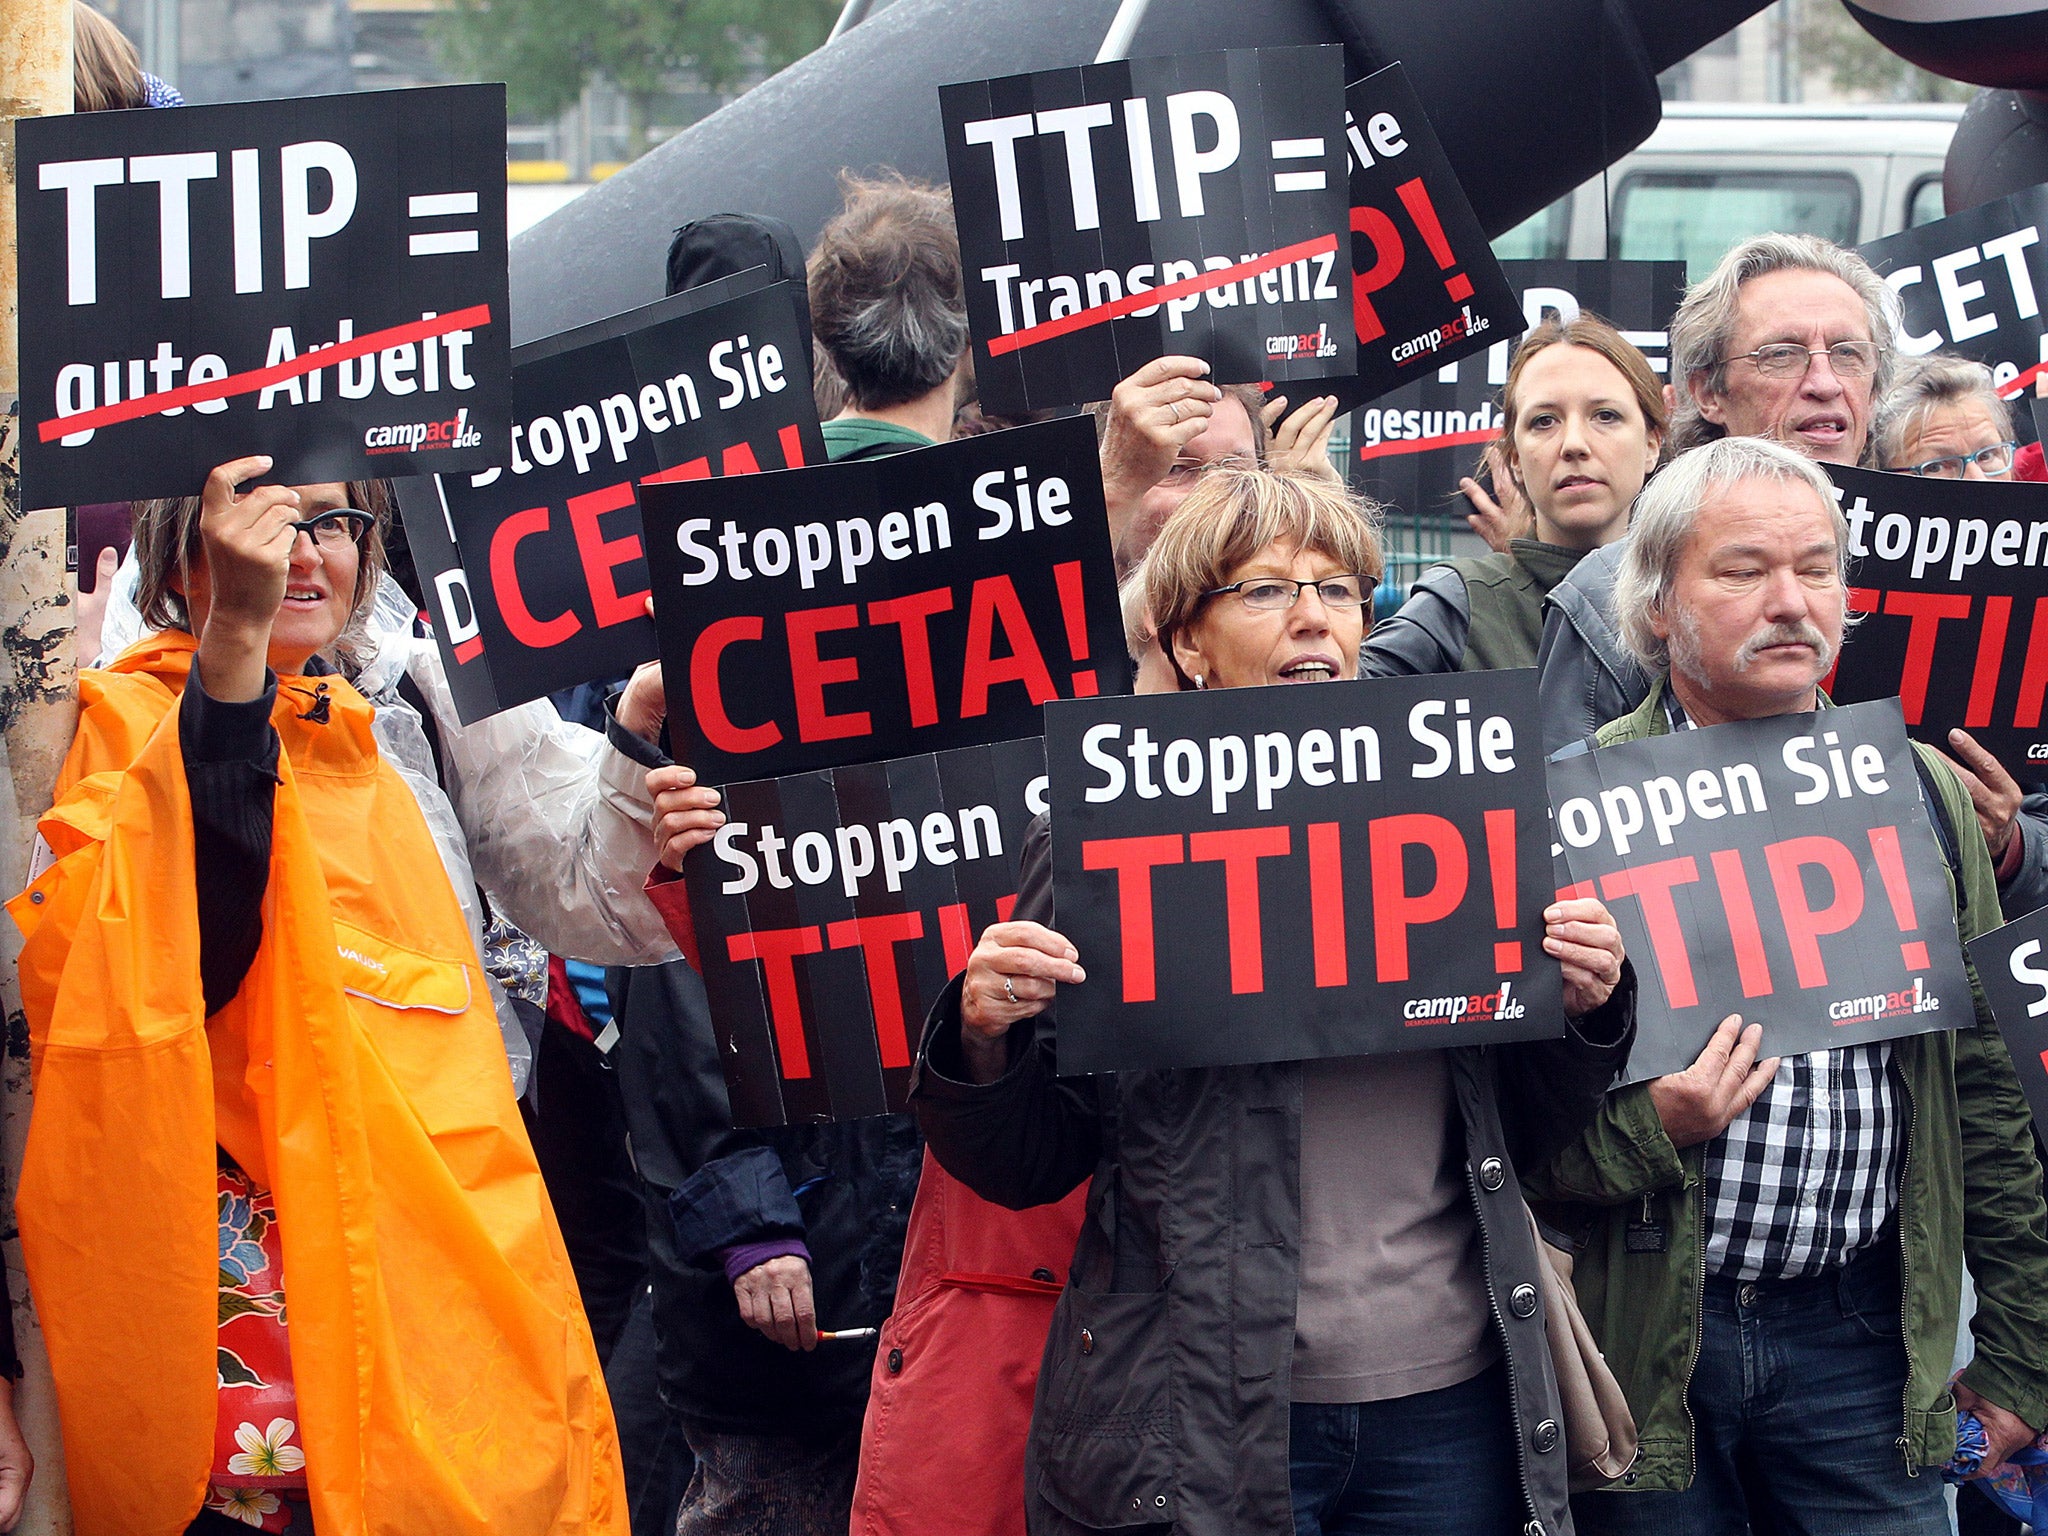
x: 1789, y: 360
x: 1995, y: 460
x: 337, y: 529
x: 1273, y: 594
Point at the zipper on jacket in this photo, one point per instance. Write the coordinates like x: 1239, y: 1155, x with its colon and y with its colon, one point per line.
x: 1507, y: 1354
x: 1905, y: 1268
x: 1699, y: 1325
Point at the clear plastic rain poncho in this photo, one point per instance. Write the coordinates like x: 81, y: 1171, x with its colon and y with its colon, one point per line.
x: 547, y: 817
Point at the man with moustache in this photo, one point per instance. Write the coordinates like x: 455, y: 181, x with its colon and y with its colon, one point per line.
x: 1771, y: 1252
x: 1789, y: 338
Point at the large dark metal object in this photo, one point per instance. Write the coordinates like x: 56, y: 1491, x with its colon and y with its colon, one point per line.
x: 1530, y: 97
x: 2001, y: 144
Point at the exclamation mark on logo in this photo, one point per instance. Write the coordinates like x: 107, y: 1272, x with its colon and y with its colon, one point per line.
x: 1067, y: 574
x: 1415, y: 198
x: 1891, y: 868
x: 1500, y: 858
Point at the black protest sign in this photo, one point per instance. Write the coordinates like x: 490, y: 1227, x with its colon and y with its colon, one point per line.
x: 552, y: 583
x: 1410, y: 448
x: 1425, y: 287
x: 883, y: 607
x: 1245, y: 886
x: 1951, y: 577
x: 1119, y: 212
x: 2012, y: 968
x: 321, y: 280
x: 831, y: 910
x: 1782, y: 869
x: 1974, y: 283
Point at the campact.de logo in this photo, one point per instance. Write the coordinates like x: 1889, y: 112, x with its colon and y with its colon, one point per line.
x: 1315, y: 343
x: 1875, y: 1007
x: 419, y: 436
x: 1455, y: 1010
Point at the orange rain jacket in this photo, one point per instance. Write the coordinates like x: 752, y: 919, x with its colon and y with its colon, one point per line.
x: 445, y: 1373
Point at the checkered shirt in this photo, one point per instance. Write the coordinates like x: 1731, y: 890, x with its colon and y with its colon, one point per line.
x: 1807, y: 1176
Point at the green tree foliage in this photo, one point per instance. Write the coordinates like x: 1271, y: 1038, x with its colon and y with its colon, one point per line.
x: 1855, y: 61
x: 546, y: 51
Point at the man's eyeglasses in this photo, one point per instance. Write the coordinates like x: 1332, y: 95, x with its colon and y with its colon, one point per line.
x: 1274, y: 594
x: 1789, y: 360
x: 337, y: 529
x: 1995, y: 460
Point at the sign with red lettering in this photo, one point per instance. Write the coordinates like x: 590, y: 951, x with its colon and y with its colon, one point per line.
x: 1425, y: 287
x: 1781, y: 869
x: 1951, y: 580
x: 320, y: 279
x: 537, y: 578
x: 2012, y: 968
x: 1410, y: 448
x: 1118, y: 212
x: 1261, y: 874
x: 882, y: 607
x: 831, y: 910
x: 1974, y: 283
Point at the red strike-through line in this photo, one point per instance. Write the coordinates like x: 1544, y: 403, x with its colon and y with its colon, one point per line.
x: 1428, y: 444
x: 1145, y: 298
x: 2019, y: 385
x: 262, y: 378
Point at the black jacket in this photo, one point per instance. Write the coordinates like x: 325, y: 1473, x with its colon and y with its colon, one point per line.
x: 1163, y: 1399
x: 844, y: 1189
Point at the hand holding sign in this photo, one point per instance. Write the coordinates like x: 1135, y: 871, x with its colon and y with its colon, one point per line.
x: 1581, y: 937
x: 1153, y: 415
x: 1701, y: 1102
x: 1993, y: 792
x: 686, y: 814
x: 248, y: 549
x: 1013, y: 975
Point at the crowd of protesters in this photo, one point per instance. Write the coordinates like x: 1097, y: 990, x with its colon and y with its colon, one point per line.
x: 403, y: 1013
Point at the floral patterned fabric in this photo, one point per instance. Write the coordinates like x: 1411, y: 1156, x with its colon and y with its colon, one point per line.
x: 257, y: 1460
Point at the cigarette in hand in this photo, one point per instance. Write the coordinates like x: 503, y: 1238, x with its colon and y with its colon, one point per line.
x: 848, y: 1333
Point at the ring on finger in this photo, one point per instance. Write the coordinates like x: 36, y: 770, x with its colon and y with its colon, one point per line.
x: 1011, y: 992
x: 1175, y: 405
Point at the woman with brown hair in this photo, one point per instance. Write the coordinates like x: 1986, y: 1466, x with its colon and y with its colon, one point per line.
x: 269, y: 1058
x: 1583, y: 423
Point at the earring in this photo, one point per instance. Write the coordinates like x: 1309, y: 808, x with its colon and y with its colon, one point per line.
x: 1201, y: 682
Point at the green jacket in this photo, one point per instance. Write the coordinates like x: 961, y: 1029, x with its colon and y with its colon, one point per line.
x: 1970, y: 1185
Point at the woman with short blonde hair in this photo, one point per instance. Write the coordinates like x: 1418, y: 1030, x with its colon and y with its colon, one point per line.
x: 1304, y: 1296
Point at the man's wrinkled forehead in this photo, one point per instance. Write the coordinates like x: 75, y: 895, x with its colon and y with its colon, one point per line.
x: 1767, y: 311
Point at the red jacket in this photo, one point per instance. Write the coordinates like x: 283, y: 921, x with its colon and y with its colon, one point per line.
x: 2027, y: 464
x: 942, y: 1450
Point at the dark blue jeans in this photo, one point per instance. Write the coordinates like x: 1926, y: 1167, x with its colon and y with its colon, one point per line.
x: 1805, y: 1379
x: 1441, y: 1463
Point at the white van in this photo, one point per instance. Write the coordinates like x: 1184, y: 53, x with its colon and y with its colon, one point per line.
x: 1715, y: 173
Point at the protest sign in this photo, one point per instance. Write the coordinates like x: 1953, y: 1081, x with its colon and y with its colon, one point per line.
x: 1425, y: 287
x: 883, y: 607
x: 1949, y: 577
x: 1243, y: 886
x: 1410, y: 448
x: 545, y: 584
x: 1782, y: 869
x: 321, y: 280
x: 831, y: 910
x: 1119, y: 212
x: 2012, y: 968
x: 1974, y: 283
